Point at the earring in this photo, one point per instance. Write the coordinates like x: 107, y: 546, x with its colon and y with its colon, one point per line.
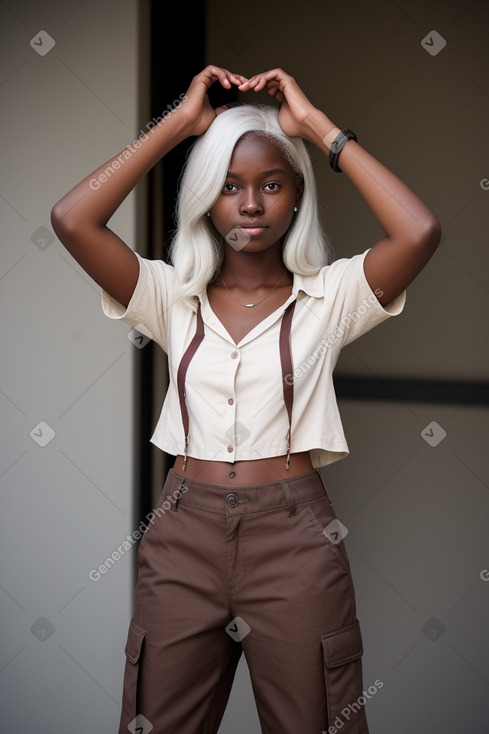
x: 208, y: 214
x: 295, y: 208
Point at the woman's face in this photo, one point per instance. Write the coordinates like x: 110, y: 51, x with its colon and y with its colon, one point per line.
x: 256, y: 205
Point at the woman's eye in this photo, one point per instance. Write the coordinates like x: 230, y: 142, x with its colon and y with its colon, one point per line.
x: 274, y: 185
x: 228, y: 187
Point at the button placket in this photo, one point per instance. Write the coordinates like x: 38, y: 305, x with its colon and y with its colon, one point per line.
x: 235, y: 354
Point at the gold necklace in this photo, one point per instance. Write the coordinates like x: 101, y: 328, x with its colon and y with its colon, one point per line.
x: 249, y: 305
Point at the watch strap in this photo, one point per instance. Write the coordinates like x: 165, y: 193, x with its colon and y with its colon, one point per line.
x: 337, y: 146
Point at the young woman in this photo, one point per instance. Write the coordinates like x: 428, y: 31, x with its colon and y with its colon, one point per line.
x: 244, y: 552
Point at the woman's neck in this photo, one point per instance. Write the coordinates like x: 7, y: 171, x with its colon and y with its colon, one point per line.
x: 250, y: 271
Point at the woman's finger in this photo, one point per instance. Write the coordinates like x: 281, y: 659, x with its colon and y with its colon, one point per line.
x: 275, y: 78
x: 257, y: 80
x: 277, y: 94
x: 225, y: 77
x: 230, y: 77
x: 261, y: 84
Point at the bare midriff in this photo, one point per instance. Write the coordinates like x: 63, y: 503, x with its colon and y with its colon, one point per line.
x: 258, y: 471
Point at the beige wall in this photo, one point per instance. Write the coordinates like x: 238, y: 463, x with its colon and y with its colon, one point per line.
x: 68, y: 504
x: 417, y: 514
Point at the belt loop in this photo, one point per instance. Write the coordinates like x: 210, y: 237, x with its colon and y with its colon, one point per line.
x: 289, y: 497
x: 323, y: 482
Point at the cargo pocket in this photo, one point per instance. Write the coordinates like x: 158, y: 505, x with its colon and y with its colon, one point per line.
x: 342, y: 652
x: 133, y: 651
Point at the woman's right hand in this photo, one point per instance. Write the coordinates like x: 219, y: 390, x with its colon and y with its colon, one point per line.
x: 196, y: 108
x: 80, y: 217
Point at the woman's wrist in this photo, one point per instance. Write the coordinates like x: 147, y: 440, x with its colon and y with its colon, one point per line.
x: 320, y: 130
x: 175, y: 127
x: 331, y: 136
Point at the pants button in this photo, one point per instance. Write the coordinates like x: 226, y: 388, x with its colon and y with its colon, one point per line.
x: 232, y: 500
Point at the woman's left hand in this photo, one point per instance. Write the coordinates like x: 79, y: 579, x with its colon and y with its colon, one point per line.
x: 296, y: 111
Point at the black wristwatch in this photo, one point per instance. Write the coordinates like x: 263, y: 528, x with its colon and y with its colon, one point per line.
x: 337, y: 146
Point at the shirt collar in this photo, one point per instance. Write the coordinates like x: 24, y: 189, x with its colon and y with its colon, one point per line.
x: 310, y: 284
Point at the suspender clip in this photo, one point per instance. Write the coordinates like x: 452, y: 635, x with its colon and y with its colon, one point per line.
x: 287, y: 462
x: 185, y: 454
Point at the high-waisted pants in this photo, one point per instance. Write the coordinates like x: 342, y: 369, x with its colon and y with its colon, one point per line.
x: 256, y: 569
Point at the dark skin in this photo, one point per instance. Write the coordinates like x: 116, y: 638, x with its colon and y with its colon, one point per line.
x: 412, y: 232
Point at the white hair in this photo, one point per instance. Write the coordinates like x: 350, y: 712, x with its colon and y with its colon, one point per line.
x: 196, y: 249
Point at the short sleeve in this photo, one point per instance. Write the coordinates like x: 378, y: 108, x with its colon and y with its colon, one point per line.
x: 354, y: 307
x: 148, y: 309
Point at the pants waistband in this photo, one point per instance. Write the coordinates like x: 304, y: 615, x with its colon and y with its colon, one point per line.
x: 228, y: 499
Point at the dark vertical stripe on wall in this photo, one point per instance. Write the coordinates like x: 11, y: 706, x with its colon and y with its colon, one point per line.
x: 177, y: 38
x: 177, y: 49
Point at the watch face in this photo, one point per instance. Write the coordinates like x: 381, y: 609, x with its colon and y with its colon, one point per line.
x: 338, y: 142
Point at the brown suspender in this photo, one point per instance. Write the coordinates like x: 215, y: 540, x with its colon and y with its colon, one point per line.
x: 287, y: 374
x: 182, y: 371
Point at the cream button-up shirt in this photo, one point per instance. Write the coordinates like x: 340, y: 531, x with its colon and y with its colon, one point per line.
x: 234, y: 392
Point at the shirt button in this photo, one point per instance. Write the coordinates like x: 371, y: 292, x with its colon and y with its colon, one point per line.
x: 230, y: 449
x: 234, y: 355
x: 230, y: 401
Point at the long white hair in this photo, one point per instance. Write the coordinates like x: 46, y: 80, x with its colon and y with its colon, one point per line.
x: 196, y: 249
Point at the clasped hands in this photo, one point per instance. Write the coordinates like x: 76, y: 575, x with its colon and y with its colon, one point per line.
x: 298, y: 118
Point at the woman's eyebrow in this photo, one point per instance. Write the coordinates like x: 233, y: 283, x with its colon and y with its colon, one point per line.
x: 271, y: 172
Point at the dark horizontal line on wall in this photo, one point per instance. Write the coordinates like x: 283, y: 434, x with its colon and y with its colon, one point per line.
x: 416, y: 391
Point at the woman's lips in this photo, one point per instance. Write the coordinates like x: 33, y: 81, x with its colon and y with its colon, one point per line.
x: 251, y: 231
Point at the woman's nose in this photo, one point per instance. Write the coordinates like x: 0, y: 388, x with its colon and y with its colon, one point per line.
x: 251, y: 203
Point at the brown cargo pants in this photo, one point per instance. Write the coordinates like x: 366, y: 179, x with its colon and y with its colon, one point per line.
x: 255, y: 569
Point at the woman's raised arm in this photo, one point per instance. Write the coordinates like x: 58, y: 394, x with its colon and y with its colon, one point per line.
x: 80, y: 217
x: 412, y: 230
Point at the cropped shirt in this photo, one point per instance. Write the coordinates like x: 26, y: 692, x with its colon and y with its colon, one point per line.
x: 234, y: 392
